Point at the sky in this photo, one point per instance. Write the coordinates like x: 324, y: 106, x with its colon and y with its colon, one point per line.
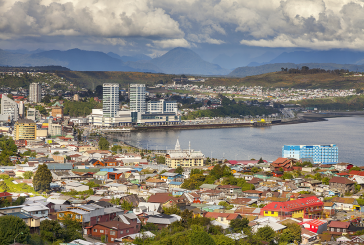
x: 209, y: 27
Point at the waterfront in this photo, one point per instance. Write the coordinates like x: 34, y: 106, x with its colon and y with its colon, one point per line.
x: 245, y: 143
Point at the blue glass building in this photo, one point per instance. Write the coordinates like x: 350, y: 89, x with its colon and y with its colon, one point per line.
x: 319, y: 153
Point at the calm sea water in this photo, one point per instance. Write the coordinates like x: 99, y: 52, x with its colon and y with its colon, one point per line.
x: 246, y: 143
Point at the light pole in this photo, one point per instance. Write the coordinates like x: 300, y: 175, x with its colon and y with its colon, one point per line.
x: 17, y: 236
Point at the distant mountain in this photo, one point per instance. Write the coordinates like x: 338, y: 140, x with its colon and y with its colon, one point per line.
x: 133, y: 58
x: 185, y: 61
x: 257, y: 70
x: 330, y: 56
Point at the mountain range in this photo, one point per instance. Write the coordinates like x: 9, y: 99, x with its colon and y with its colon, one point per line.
x: 176, y: 61
x: 184, y: 61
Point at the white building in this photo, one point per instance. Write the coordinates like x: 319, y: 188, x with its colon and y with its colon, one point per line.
x: 162, y: 106
x: 137, y: 97
x: 35, y: 93
x: 33, y: 114
x: 110, y: 97
x: 9, y: 108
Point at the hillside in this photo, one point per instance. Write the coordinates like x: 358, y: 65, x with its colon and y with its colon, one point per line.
x: 185, y: 61
x: 257, y: 70
x: 90, y: 79
x: 275, y: 79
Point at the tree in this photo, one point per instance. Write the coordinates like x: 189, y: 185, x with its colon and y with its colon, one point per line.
x: 255, y: 170
x: 51, y: 230
x: 73, y: 229
x: 199, y: 236
x: 223, y: 240
x: 104, y: 144
x: 28, y: 175
x: 99, y: 91
x: 356, y: 168
x: 261, y: 160
x: 237, y: 225
x: 226, y: 205
x: 160, y: 159
x: 179, y: 170
x: 115, y: 201
x: 127, y: 205
x: 291, y: 234
x: 42, y: 178
x: 265, y: 233
x: 287, y: 175
x: 13, y: 227
x: 326, y: 180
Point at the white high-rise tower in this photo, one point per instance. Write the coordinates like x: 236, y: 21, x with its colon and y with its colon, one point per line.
x: 110, y: 99
x: 35, y: 93
x: 137, y: 97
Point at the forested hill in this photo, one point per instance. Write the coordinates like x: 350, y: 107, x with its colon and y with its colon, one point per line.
x: 257, y: 70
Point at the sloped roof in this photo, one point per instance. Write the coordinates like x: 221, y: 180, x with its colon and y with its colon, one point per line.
x: 341, y: 180
x: 294, y: 204
x: 339, y: 224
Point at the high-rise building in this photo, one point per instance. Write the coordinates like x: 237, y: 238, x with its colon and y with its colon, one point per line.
x: 137, y: 97
x: 319, y: 153
x: 25, y: 129
x: 162, y: 106
x: 35, y: 93
x: 110, y: 99
x: 9, y: 108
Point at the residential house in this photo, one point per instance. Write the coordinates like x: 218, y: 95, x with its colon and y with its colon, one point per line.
x: 308, y: 237
x: 329, y: 209
x: 285, y: 164
x: 192, y: 197
x: 33, y: 222
x: 343, y: 166
x: 205, y: 187
x: 130, y: 219
x: 155, y: 183
x: 6, y: 196
x: 162, y: 220
x: 267, y: 221
x: 171, y: 177
x: 167, y: 200
x: 252, y: 193
x: 255, y: 181
x: 346, y: 203
x: 342, y: 184
x: 77, y: 186
x: 338, y: 227
x: 224, y: 218
x: 111, y: 230
x: 117, y: 188
x: 36, y: 210
x: 229, y: 189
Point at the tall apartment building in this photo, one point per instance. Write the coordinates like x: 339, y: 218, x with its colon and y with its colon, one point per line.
x: 319, y: 153
x: 162, y: 106
x: 110, y: 99
x: 137, y: 97
x: 9, y: 108
x: 35, y: 93
x: 25, y: 129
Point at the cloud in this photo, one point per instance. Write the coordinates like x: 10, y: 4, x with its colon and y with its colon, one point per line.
x: 162, y: 24
x: 172, y: 43
x: 106, y: 18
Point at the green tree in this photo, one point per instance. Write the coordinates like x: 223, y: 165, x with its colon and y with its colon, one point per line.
x: 237, y: 225
x: 28, y: 175
x: 291, y: 234
x: 73, y: 229
x: 317, y: 176
x: 160, y: 159
x: 51, y: 230
x: 199, y: 236
x: 223, y: 240
x: 104, y: 144
x: 179, y: 170
x: 13, y: 227
x: 42, y: 178
x: 226, y: 205
x: 287, y: 175
x: 126, y: 205
x: 265, y: 233
x: 356, y: 168
x: 255, y: 170
x: 261, y: 160
x: 326, y: 180
x: 115, y: 201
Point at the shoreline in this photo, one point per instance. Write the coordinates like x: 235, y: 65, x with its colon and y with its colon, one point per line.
x: 301, y: 118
